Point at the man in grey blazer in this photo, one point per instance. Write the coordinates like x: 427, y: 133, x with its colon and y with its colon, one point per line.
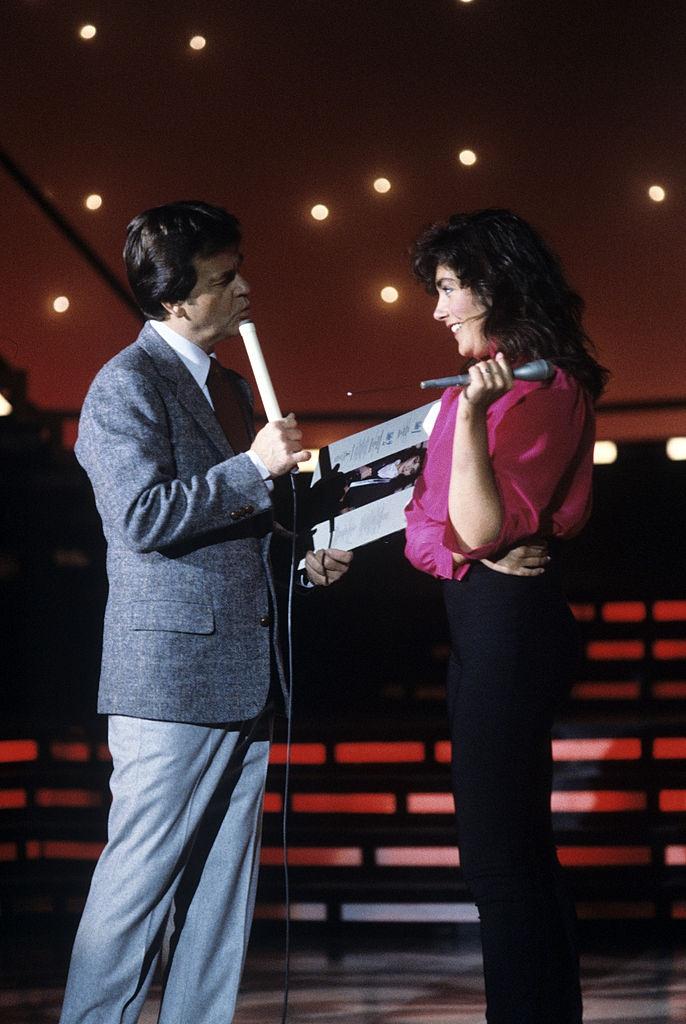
x: 191, y: 669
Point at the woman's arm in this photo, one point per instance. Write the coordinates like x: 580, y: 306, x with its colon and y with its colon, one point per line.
x: 474, y: 506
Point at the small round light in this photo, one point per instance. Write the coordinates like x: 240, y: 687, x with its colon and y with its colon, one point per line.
x: 604, y: 453
x: 467, y: 157
x: 676, y: 449
x: 198, y: 43
x: 382, y: 185
x: 657, y: 193
x: 389, y: 294
x: 88, y: 31
x: 5, y: 406
x: 320, y: 212
x: 93, y: 201
x: 60, y: 304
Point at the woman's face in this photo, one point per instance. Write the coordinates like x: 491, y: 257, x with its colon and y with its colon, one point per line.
x: 462, y: 313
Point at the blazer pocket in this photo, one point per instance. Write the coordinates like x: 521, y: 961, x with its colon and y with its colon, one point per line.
x: 171, y: 616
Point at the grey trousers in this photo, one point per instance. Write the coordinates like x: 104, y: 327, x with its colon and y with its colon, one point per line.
x: 179, y: 870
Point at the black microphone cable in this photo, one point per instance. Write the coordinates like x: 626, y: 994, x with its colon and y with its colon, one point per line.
x: 287, y: 772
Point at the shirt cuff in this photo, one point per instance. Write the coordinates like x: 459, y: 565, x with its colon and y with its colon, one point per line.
x: 261, y: 468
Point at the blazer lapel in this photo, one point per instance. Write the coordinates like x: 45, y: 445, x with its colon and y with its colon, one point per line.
x: 187, y: 391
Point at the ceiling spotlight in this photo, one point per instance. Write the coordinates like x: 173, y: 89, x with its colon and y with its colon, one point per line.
x: 382, y: 185
x: 604, y: 453
x: 5, y: 406
x: 61, y: 304
x: 198, y: 43
x: 87, y: 31
x: 676, y: 449
x: 657, y: 193
x: 93, y: 201
x: 320, y: 212
x: 389, y: 294
x: 467, y: 157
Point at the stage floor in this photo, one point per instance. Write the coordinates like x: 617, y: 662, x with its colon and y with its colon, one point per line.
x: 396, y: 987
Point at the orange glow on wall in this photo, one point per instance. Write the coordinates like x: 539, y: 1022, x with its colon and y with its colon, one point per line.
x: 8, y: 851
x: 669, y: 650
x: 670, y: 690
x: 597, y: 750
x: 314, y: 856
x: 301, y: 753
x: 672, y: 800
x: 604, y: 856
x: 68, y: 798
x: 344, y: 803
x: 598, y: 801
x: 10, y: 799
x: 669, y: 748
x: 606, y: 691
x: 624, y: 611
x: 381, y: 753
x: 18, y: 750
x: 430, y: 803
x: 675, y: 856
x: 583, y: 612
x: 273, y: 803
x: 70, y: 751
x: 669, y: 611
x: 417, y: 856
x: 615, y: 650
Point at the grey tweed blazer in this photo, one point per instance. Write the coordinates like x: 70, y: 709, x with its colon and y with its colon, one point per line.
x: 190, y: 630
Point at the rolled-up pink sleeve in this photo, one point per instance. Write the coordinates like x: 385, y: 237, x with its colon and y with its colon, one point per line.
x: 541, y: 452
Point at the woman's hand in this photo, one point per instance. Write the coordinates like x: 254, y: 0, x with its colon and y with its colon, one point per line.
x: 526, y: 560
x: 489, y: 380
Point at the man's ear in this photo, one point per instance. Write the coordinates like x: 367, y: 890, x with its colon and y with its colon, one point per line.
x: 175, y: 309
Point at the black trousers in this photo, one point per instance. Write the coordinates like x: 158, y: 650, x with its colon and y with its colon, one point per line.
x: 514, y: 650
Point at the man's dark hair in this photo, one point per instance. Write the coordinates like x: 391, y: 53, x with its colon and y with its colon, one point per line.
x: 161, y: 245
x: 530, y: 309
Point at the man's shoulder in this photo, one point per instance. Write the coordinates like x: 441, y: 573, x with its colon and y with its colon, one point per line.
x: 133, y: 364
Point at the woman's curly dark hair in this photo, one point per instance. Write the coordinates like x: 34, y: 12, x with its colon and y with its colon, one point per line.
x: 532, y: 312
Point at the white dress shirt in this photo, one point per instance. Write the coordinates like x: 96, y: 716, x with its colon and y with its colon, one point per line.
x: 197, y: 362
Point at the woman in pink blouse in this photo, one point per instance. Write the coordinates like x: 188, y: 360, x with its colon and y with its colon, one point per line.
x: 508, y: 461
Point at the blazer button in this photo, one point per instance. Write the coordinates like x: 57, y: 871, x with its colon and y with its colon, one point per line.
x: 265, y: 620
x: 248, y: 510
x: 235, y: 515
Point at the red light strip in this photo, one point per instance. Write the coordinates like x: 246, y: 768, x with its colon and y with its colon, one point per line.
x: 624, y: 611
x: 18, y: 750
x: 344, y: 803
x: 68, y: 798
x: 273, y: 803
x: 673, y: 800
x: 301, y: 753
x: 669, y: 611
x: 11, y: 799
x: 606, y: 691
x: 314, y: 856
x: 597, y: 750
x: 669, y: 650
x: 583, y: 612
x: 675, y: 856
x: 73, y: 751
x: 386, y: 753
x: 670, y: 690
x: 430, y: 803
x: 669, y: 748
x: 8, y: 851
x: 599, y: 801
x: 615, y: 650
x: 417, y: 856
x: 624, y: 911
x: 599, y: 856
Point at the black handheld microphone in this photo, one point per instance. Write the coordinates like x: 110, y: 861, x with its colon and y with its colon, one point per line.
x: 540, y: 369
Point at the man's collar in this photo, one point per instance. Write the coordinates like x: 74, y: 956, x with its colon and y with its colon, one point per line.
x: 195, y: 359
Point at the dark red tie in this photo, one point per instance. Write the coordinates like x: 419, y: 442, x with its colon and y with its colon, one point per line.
x: 228, y: 407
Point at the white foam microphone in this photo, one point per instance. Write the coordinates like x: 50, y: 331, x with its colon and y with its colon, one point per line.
x: 260, y: 371
x: 539, y: 369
